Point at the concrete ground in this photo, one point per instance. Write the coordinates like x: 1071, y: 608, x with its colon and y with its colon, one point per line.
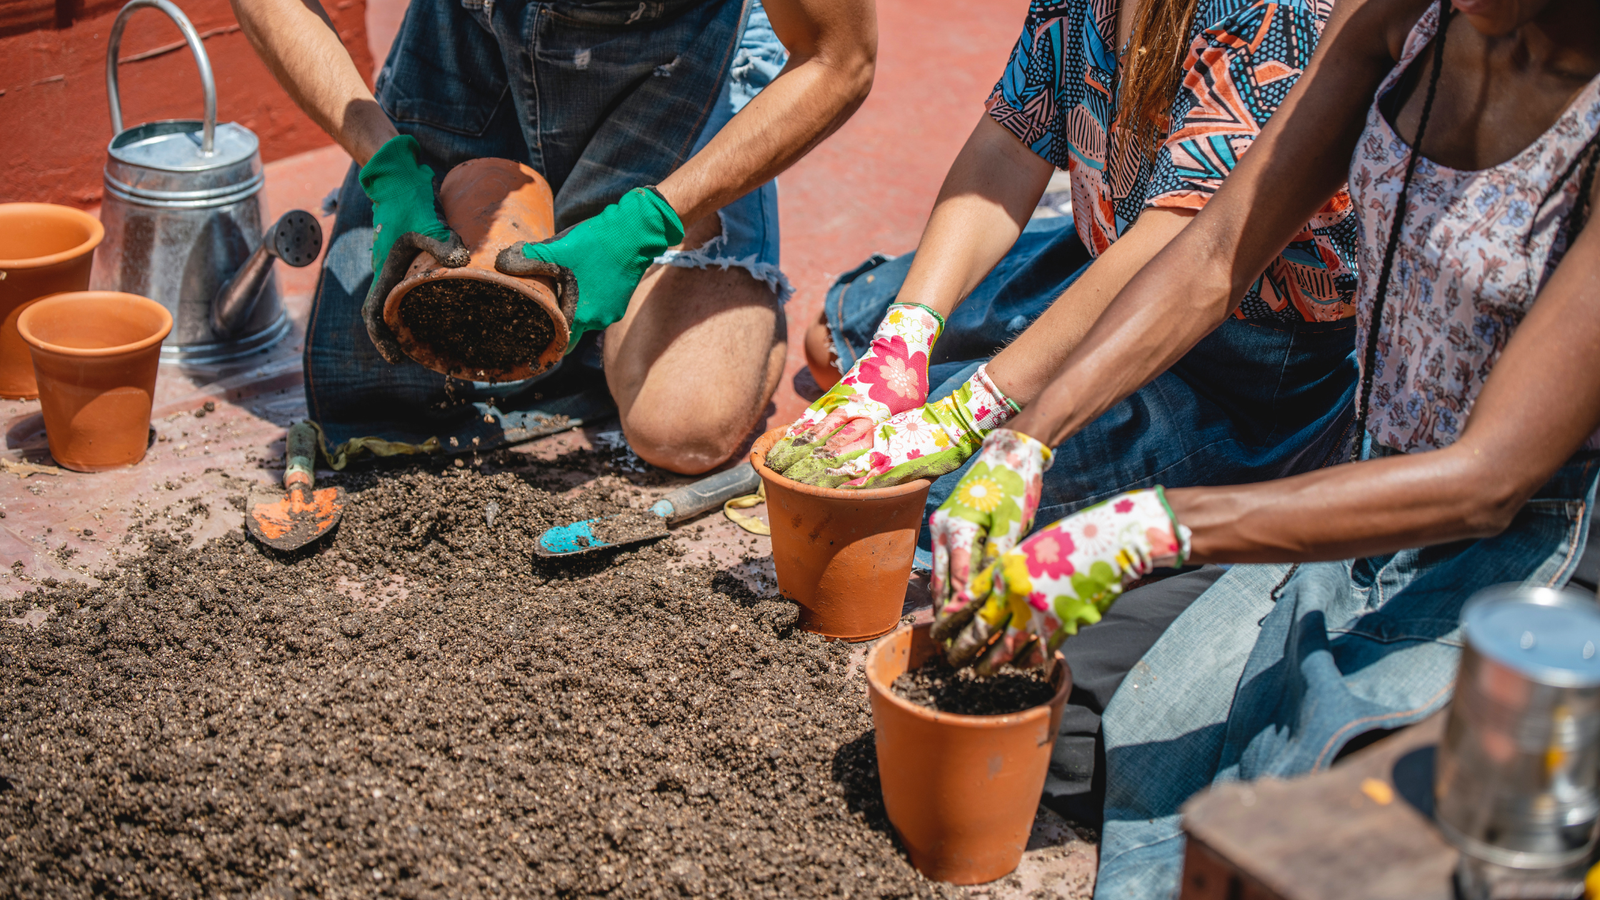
x: 868, y: 188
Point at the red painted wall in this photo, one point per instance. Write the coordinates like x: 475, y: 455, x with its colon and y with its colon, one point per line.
x: 53, y: 90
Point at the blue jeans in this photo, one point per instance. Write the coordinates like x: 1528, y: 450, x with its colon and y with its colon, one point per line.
x: 1251, y: 402
x: 600, y: 96
x: 1250, y: 683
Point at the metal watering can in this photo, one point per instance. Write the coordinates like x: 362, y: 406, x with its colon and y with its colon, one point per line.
x: 183, y: 221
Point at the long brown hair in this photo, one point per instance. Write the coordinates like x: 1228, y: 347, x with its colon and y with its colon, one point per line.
x: 1152, y: 69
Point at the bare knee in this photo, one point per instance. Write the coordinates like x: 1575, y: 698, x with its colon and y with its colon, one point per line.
x: 680, y: 444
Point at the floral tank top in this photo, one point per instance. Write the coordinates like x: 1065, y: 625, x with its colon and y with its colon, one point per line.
x: 1475, y: 250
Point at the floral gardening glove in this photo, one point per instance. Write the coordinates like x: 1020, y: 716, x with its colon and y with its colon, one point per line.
x: 598, y: 262
x: 405, y: 221
x: 890, y: 378
x: 1066, y: 577
x: 986, y: 515
x: 918, y: 443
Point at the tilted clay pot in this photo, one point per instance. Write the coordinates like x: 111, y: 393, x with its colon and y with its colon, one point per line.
x: 44, y: 249
x: 961, y: 791
x: 95, y: 354
x: 491, y: 204
x: 843, y: 555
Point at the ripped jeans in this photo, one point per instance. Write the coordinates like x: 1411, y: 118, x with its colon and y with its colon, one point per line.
x: 642, y: 88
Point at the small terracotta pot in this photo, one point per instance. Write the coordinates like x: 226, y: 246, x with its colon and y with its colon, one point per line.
x: 961, y: 791
x: 44, y: 249
x: 491, y: 204
x: 844, y: 556
x: 95, y: 354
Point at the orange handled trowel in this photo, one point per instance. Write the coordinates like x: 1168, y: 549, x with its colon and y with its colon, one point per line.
x: 300, y: 515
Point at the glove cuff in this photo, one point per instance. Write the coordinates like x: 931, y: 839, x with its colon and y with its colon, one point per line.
x: 988, y: 406
x: 938, y: 319
x: 672, y: 225
x: 1183, y: 533
x: 397, y: 161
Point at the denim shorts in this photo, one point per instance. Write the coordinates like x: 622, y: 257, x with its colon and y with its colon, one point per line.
x: 601, y: 96
x: 1251, y: 402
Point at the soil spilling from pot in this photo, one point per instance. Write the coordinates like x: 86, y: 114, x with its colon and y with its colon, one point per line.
x: 484, y: 328
x: 941, y: 688
x: 420, y: 707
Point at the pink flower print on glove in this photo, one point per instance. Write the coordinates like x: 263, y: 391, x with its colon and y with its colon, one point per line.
x: 1036, y: 595
x: 890, y: 377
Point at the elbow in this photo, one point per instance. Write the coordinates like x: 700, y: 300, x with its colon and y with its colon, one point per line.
x: 854, y: 69
x: 1491, y: 499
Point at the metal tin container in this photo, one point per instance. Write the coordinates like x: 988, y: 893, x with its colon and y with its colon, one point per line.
x: 1518, y: 771
x: 182, y: 214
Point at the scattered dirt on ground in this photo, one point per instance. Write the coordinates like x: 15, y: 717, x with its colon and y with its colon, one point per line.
x: 485, y: 329
x: 629, y: 526
x: 965, y: 692
x: 420, y: 707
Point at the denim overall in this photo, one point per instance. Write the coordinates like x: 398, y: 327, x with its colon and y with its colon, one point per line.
x: 1250, y: 682
x: 600, y: 96
x: 1253, y: 401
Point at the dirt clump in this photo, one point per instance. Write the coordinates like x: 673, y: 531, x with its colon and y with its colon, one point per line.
x: 420, y: 707
x: 485, y: 329
x: 963, y: 691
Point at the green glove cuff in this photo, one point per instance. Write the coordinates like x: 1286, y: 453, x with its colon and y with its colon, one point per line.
x: 400, y: 187
x: 927, y: 309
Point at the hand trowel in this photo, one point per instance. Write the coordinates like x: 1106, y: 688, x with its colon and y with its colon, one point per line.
x: 299, y: 515
x: 632, y: 527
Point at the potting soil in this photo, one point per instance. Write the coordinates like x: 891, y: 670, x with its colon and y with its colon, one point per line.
x: 485, y: 329
x: 418, y: 706
x: 963, y: 691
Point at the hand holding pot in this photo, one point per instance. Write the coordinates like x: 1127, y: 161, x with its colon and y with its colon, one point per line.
x: 1063, y: 578
x: 602, y: 259
x: 920, y: 443
x: 889, y: 379
x: 405, y: 221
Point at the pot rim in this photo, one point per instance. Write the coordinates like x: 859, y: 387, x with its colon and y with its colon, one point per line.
x: 409, y: 342
x: 97, y: 233
x: 982, y: 722
x: 26, y: 318
x: 758, y: 458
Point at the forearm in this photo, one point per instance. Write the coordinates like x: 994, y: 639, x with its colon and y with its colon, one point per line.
x: 986, y: 199
x: 295, y: 40
x: 1027, y: 365
x: 817, y: 91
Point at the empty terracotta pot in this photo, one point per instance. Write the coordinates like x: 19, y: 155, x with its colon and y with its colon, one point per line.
x: 95, y: 354
x: 511, y: 328
x: 844, y: 556
x: 44, y: 249
x: 961, y: 791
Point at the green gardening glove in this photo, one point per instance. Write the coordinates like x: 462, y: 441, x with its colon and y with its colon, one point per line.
x: 405, y: 221
x: 600, y: 260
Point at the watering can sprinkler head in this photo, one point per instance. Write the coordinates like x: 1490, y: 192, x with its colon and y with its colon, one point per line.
x: 296, y: 238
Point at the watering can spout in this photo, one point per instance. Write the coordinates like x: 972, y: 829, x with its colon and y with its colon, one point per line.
x: 296, y: 238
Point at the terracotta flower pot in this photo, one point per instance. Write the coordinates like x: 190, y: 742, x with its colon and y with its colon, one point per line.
x: 961, y: 791
x: 44, y: 249
x: 844, y: 556
x: 491, y: 204
x: 95, y: 354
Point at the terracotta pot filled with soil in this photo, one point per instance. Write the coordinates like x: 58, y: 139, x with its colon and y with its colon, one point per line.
x: 95, y: 355
x: 475, y: 322
x: 962, y: 759
x: 44, y: 249
x: 843, y: 555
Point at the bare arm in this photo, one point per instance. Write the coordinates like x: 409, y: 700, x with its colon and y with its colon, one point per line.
x: 1299, y: 160
x: 1538, y: 406
x: 986, y: 199
x: 833, y: 47
x: 297, y: 42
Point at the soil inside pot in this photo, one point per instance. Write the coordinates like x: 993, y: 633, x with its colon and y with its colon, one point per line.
x: 483, y: 328
x: 421, y: 707
x: 938, y: 686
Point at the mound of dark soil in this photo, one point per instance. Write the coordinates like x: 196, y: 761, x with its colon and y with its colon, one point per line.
x: 423, y: 708
x: 484, y: 329
x: 963, y: 691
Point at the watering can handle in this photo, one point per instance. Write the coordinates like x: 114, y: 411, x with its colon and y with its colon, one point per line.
x: 202, y: 62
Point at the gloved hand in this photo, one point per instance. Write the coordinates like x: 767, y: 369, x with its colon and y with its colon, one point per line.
x: 986, y: 515
x: 601, y: 259
x: 405, y: 221
x: 1063, y: 578
x: 890, y: 378
x: 919, y: 443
